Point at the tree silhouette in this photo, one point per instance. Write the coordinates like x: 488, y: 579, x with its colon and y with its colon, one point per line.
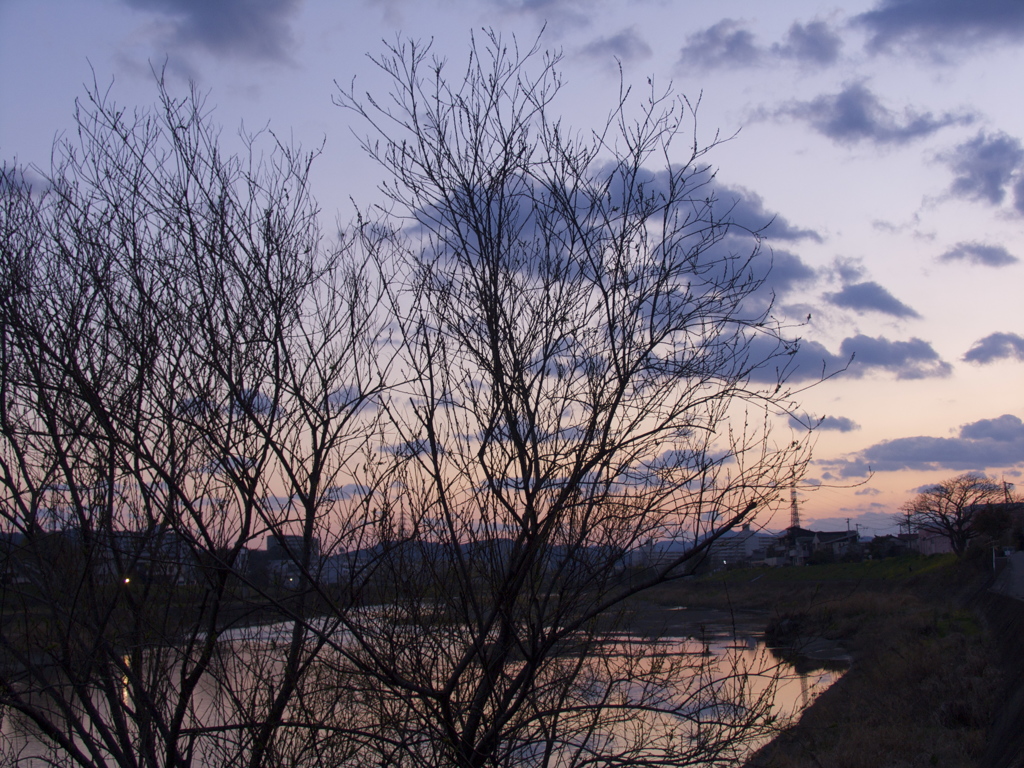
x: 185, y: 370
x: 949, y: 508
x: 460, y: 429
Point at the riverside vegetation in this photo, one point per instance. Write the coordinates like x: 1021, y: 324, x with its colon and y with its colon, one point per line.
x: 934, y: 659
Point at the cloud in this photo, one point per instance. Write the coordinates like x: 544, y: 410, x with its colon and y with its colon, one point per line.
x: 914, y: 359
x: 800, y: 360
x: 739, y: 207
x: 347, y: 491
x: 980, y: 445
x: 21, y: 180
x: 787, y: 271
x: 734, y: 212
x: 979, y: 253
x: 934, y: 26
x: 252, y: 402
x: 996, y: 346
x: 561, y: 14
x: 984, y: 166
x: 855, y: 114
x: 826, y: 423
x: 411, y: 448
x: 742, y: 209
x: 838, y: 424
x: 730, y: 45
x: 813, y: 43
x: 781, y: 272
x: 236, y: 464
x: 1005, y: 429
x: 727, y: 44
x: 870, y: 297
x: 256, y: 29
x: 627, y: 45
x: 746, y: 208
x: 350, y: 399
x: 804, y: 360
x: 849, y: 270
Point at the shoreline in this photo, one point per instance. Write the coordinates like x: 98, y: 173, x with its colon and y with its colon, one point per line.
x: 936, y: 675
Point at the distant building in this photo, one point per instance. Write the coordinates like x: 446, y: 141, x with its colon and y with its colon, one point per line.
x: 154, y: 555
x: 933, y: 543
x: 334, y: 569
x: 837, y: 544
x: 291, y: 547
x: 792, y: 547
x: 658, y: 554
x: 743, y: 547
x: 798, y: 546
x: 733, y: 548
x: 280, y: 564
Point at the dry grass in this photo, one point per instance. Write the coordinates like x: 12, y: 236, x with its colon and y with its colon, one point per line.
x: 928, y: 679
x: 924, y: 686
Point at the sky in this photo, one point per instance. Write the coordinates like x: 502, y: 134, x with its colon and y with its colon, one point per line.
x: 882, y: 139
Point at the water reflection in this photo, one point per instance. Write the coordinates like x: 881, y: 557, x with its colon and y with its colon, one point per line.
x: 793, y: 676
x: 793, y: 680
x: 697, y: 672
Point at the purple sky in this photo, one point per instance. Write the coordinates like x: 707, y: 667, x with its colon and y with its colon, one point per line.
x: 885, y: 137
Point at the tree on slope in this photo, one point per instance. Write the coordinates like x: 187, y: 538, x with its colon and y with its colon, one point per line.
x: 948, y: 508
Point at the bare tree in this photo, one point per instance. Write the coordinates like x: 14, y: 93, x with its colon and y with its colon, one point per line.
x: 460, y: 429
x: 578, y: 334
x: 948, y: 508
x: 186, y: 369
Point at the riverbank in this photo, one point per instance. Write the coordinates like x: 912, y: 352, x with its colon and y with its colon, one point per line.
x: 936, y: 674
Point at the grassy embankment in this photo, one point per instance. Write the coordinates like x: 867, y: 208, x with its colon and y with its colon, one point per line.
x: 928, y: 677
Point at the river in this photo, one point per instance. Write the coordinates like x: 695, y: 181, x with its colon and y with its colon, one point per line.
x: 728, y: 650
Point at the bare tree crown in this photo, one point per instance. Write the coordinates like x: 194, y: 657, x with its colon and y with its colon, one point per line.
x: 948, y: 508
x: 458, y: 428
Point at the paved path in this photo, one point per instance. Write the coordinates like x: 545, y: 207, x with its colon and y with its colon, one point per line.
x: 1011, y: 580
